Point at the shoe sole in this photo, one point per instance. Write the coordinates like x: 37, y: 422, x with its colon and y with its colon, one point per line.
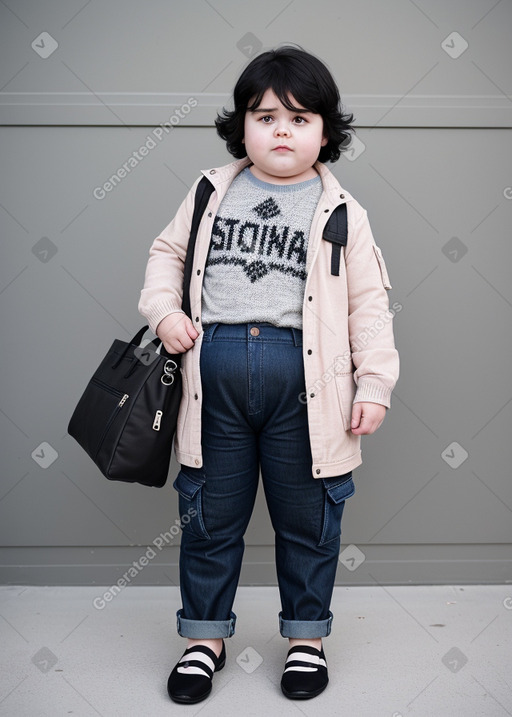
x: 185, y: 701
x: 303, y: 695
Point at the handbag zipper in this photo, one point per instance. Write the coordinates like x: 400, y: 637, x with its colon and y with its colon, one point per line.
x: 106, y: 387
x: 156, y: 422
x: 111, y: 420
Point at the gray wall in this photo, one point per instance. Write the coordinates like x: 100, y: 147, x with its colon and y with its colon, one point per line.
x: 433, y: 497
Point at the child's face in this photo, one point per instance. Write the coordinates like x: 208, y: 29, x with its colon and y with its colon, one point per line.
x: 270, y: 128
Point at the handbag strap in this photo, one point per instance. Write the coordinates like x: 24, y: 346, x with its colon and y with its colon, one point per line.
x: 203, y: 192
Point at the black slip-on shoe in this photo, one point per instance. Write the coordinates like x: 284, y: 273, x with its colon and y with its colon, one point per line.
x: 191, y: 679
x: 305, y: 673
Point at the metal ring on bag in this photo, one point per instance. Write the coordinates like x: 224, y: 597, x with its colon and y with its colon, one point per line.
x: 167, y: 379
x: 170, y: 366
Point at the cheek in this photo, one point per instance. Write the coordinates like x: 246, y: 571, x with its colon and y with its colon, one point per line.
x: 254, y: 138
x: 315, y: 143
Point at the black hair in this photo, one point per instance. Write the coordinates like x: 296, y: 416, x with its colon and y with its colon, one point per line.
x: 288, y: 70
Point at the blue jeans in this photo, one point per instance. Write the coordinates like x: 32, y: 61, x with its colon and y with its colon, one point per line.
x: 252, y: 376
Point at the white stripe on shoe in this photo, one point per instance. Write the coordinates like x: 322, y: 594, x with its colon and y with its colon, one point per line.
x: 306, y: 657
x: 192, y: 669
x: 299, y: 668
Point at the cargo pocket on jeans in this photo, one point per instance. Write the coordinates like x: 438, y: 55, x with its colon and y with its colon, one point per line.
x: 382, y: 265
x: 189, y: 483
x: 336, y: 492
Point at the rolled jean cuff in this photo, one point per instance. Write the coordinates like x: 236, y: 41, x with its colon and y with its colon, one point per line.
x: 306, y: 629
x: 205, y: 629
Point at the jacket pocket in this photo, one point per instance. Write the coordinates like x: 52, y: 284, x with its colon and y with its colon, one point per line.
x: 189, y: 483
x: 346, y: 388
x: 382, y: 265
x: 337, y: 490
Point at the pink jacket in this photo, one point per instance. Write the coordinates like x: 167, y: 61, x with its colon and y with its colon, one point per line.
x: 348, y: 344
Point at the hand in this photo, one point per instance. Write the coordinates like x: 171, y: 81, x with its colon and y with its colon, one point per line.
x: 366, y: 417
x: 177, y: 333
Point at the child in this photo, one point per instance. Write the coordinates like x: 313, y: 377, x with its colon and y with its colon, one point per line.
x: 287, y: 361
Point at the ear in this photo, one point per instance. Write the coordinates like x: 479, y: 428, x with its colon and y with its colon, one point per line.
x: 324, y: 141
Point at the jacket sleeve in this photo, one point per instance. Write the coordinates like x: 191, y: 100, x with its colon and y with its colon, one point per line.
x: 370, y: 322
x: 163, y: 285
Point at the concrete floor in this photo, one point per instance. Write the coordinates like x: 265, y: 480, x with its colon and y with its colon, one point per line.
x: 439, y: 651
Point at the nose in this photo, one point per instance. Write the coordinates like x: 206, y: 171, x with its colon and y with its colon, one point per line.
x: 282, y: 130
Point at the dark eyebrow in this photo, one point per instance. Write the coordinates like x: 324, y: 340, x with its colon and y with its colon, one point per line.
x: 274, y: 109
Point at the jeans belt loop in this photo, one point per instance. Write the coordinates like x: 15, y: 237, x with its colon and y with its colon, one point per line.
x: 297, y: 336
x: 209, y: 331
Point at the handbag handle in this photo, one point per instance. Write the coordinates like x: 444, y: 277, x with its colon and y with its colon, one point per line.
x: 163, y: 350
x: 136, y: 342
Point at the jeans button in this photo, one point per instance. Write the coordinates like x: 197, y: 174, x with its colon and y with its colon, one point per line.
x: 255, y: 331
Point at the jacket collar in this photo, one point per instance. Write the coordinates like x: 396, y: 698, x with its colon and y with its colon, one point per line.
x: 334, y: 192
x: 218, y: 175
x: 333, y: 189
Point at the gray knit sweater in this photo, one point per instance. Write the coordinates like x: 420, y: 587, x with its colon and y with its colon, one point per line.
x: 256, y: 266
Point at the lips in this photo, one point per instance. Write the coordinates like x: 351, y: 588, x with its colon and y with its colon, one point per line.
x: 282, y: 148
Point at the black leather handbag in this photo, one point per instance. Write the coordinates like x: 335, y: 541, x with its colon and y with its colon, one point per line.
x: 126, y: 418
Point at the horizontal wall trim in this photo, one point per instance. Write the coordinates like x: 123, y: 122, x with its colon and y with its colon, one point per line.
x: 199, y: 109
x: 454, y: 564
